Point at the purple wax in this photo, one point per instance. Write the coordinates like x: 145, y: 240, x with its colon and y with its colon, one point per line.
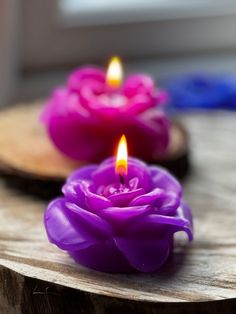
x: 119, y: 227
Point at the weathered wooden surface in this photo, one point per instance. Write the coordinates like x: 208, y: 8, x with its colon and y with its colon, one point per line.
x: 36, y: 277
x: 28, y: 158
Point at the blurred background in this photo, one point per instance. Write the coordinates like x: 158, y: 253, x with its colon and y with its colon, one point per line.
x: 40, y: 41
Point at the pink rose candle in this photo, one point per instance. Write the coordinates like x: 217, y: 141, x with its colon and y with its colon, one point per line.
x: 84, y: 118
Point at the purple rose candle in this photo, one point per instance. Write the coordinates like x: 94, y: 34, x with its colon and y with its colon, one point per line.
x: 84, y: 118
x: 119, y: 216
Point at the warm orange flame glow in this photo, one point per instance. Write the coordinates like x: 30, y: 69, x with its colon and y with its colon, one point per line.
x: 114, y: 74
x: 122, y: 157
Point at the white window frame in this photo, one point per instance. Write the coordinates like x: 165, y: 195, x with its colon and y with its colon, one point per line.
x: 50, y: 40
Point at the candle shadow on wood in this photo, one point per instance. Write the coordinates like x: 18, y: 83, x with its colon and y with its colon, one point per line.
x: 42, y: 189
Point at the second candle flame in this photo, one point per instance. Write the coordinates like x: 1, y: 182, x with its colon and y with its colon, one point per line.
x: 122, y: 157
x: 114, y: 74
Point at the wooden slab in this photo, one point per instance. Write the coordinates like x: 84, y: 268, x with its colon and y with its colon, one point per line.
x: 29, y: 160
x: 36, y: 277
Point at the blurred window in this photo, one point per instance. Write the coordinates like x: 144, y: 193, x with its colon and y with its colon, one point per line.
x: 68, y: 32
x: 90, y: 12
x: 105, y: 11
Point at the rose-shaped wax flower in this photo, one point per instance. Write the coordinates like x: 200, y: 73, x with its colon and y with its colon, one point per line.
x: 119, y: 227
x: 85, y: 117
x: 202, y: 91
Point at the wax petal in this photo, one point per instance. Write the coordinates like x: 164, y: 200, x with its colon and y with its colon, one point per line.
x: 165, y: 203
x: 96, y: 105
x: 92, y: 222
x: 154, y: 125
x: 185, y: 212
x: 124, y: 198
x: 72, y: 127
x: 78, y: 192
x: 138, y: 84
x: 69, y: 135
x: 181, y: 221
x: 90, y: 100
x: 73, y: 193
x: 169, y: 205
x: 105, y: 173
x: 148, y: 198
x: 62, y: 231
x: 84, y: 76
x: 150, y: 130
x: 138, y: 104
x: 146, y: 255
x: 55, y: 105
x: 120, y: 215
x: 83, y: 173
x: 155, y: 224
x: 94, y: 201
x: 162, y: 179
x: 103, y: 256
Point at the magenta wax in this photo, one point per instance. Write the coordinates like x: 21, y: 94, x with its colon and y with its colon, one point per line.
x: 119, y: 227
x: 85, y: 117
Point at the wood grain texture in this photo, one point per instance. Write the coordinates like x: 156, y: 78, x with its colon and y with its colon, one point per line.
x: 36, y: 277
x: 29, y: 159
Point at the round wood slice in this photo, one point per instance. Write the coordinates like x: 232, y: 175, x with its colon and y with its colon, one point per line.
x: 38, y: 278
x: 29, y: 160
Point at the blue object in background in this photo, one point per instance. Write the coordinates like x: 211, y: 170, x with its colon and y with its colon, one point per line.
x: 202, y: 91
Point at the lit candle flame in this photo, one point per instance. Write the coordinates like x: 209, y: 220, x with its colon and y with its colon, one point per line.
x: 114, y: 74
x: 122, y: 157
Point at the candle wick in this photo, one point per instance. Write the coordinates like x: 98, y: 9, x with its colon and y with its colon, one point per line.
x: 122, y: 179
